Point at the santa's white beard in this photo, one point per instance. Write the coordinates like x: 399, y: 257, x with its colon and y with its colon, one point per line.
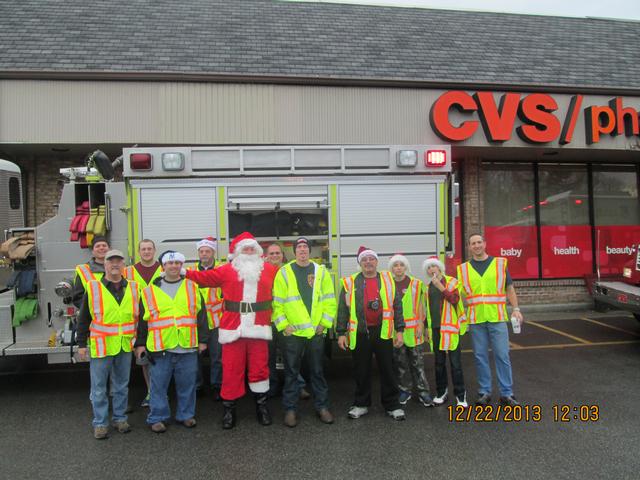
x: 249, y: 267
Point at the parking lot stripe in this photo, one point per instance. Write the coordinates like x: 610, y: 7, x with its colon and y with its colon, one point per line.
x: 613, y: 327
x: 515, y: 346
x: 562, y: 345
x: 559, y: 332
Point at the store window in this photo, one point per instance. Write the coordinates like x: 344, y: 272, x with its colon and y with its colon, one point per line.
x: 565, y: 232
x: 509, y: 212
x: 616, y: 215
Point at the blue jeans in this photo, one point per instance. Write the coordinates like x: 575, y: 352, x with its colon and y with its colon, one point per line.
x: 215, y: 354
x: 496, y: 336
x: 295, y: 351
x: 215, y: 357
x: 118, y: 367
x: 183, y: 367
x: 274, y: 379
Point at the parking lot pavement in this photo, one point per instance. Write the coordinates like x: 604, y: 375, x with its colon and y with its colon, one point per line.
x: 585, y: 361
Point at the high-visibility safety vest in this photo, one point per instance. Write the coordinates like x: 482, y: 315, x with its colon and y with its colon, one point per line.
x: 212, y: 303
x: 86, y: 275
x: 132, y: 274
x: 387, y: 294
x: 173, y: 322
x: 113, y: 326
x: 413, y: 311
x: 485, y: 295
x: 453, y: 321
x: 289, y: 309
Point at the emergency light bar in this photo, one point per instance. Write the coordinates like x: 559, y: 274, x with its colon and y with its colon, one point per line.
x: 140, y: 161
x: 407, y: 158
x: 435, y: 158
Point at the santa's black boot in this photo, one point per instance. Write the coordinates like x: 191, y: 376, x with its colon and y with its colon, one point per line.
x: 229, y: 414
x: 262, y: 411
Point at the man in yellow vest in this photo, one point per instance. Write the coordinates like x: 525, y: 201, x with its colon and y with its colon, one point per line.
x: 108, y: 316
x: 92, y: 270
x: 409, y: 358
x: 487, y: 286
x: 172, y: 330
x: 143, y: 273
x: 213, y: 303
x: 370, y: 321
x: 446, y: 322
x: 275, y: 256
x: 304, y: 307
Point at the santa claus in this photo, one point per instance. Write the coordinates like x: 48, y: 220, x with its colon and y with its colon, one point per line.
x: 245, y: 327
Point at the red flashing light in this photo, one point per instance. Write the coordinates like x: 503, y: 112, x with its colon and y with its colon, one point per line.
x: 140, y: 161
x: 435, y: 158
x: 578, y: 201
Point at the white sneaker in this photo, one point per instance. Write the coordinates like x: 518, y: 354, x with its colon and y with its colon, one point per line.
x: 442, y: 398
x: 397, y: 414
x: 357, y: 412
x: 462, y: 402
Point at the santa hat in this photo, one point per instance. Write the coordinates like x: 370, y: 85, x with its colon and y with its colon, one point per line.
x: 433, y: 261
x: 398, y: 257
x: 366, y: 252
x: 245, y: 239
x: 207, y: 242
x: 172, y: 256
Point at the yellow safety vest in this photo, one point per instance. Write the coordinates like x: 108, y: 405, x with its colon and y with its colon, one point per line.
x: 212, y: 303
x: 413, y: 311
x: 173, y: 322
x: 387, y: 294
x: 113, y: 325
x: 132, y: 274
x: 289, y: 309
x: 86, y: 275
x: 453, y: 321
x: 486, y: 296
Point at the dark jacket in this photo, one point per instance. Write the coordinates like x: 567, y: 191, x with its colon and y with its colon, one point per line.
x: 84, y: 316
x: 143, y: 327
x: 343, y: 309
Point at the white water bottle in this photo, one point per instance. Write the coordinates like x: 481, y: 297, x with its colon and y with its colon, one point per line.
x: 515, y: 324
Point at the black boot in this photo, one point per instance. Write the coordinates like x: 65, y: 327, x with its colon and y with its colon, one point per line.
x: 262, y: 411
x: 229, y: 414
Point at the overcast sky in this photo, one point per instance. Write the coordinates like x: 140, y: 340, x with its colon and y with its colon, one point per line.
x: 622, y: 9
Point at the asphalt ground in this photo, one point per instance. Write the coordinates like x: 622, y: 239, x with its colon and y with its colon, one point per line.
x: 573, y: 359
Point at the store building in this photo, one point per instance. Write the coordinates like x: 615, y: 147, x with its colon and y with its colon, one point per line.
x: 542, y: 112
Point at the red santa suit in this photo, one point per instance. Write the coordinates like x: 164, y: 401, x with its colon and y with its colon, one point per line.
x: 245, y: 332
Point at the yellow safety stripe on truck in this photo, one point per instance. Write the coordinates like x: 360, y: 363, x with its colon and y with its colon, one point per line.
x: 135, y: 221
x: 222, y: 224
x: 333, y: 234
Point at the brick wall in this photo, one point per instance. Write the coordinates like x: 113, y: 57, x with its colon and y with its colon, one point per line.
x: 42, y: 183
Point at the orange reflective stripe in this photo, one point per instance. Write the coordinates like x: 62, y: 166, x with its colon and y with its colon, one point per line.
x: 86, y: 273
x: 97, y: 302
x: 500, y: 274
x: 101, y: 346
x: 135, y: 298
x: 388, y: 312
x: 128, y: 273
x: 348, y: 288
x: 154, y: 310
x: 464, y: 270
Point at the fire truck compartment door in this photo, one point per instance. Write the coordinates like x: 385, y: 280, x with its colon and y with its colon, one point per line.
x: 398, y: 217
x: 283, y: 197
x: 178, y: 217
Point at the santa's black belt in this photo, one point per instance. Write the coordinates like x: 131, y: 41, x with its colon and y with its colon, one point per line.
x: 246, y: 307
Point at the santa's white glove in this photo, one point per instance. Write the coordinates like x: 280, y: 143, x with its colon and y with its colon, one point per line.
x: 183, y: 272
